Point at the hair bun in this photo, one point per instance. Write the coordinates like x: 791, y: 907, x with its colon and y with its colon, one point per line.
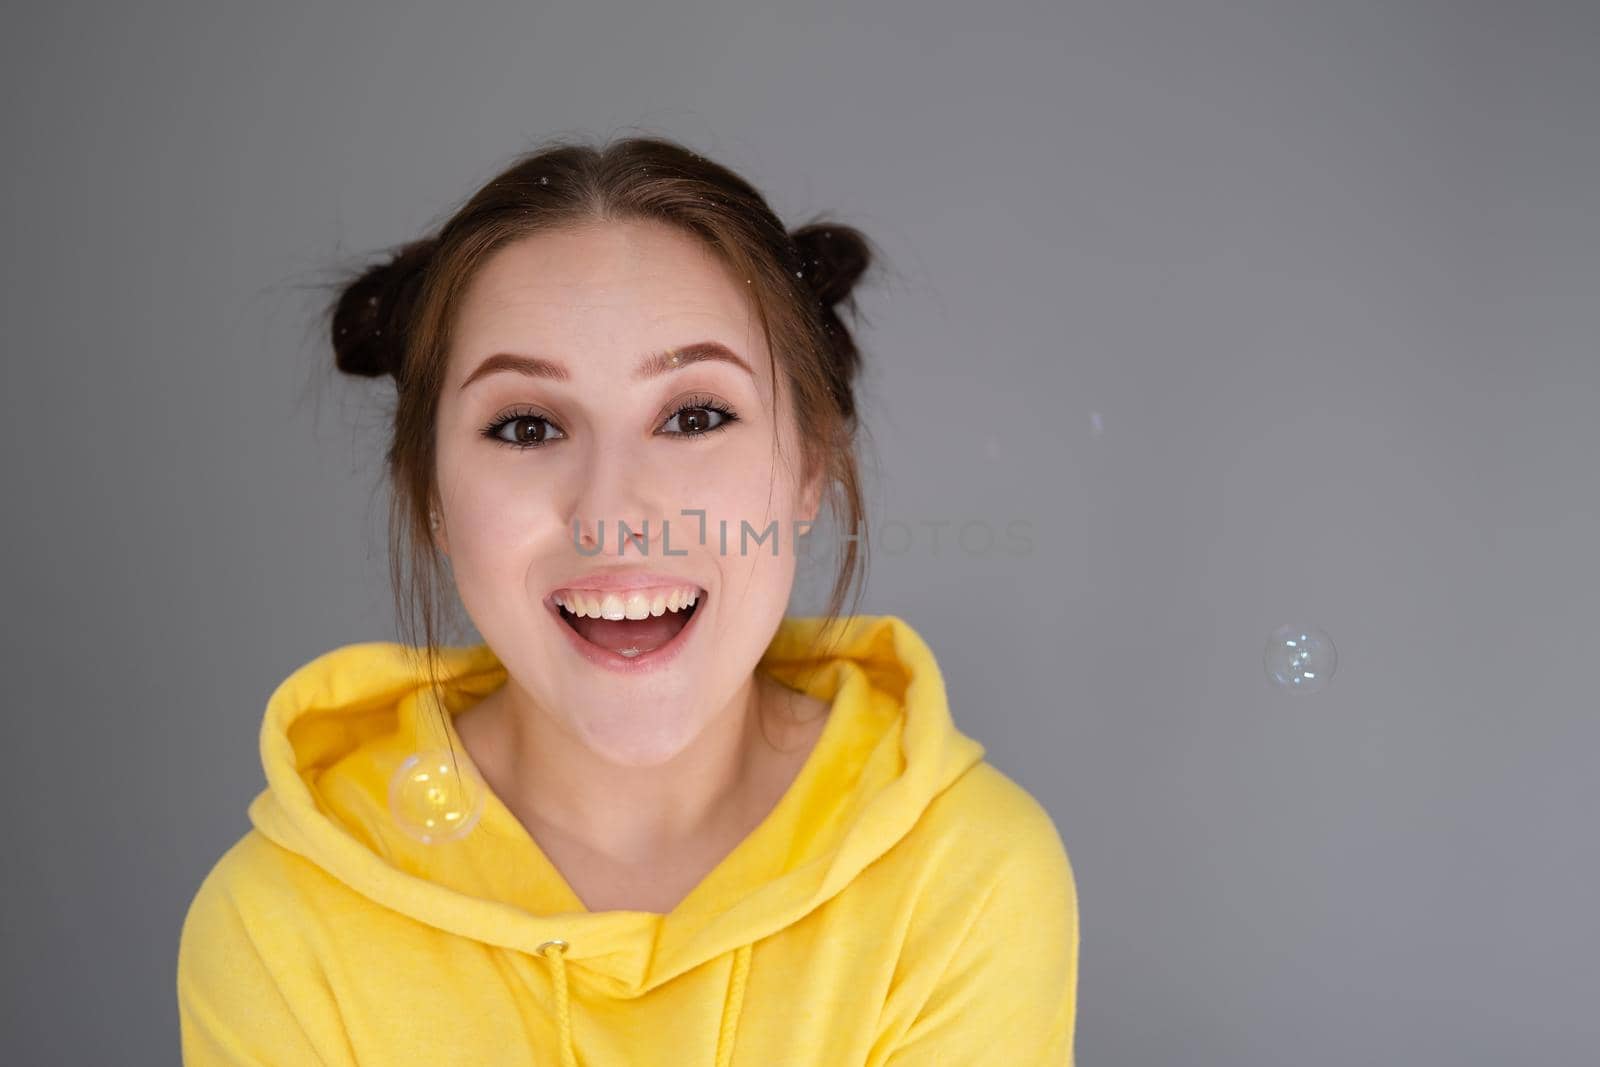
x: 833, y: 258
x: 374, y: 312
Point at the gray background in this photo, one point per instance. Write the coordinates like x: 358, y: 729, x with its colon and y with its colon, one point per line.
x: 1258, y: 312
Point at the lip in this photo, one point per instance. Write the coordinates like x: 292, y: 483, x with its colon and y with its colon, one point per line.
x: 645, y: 662
x: 623, y: 580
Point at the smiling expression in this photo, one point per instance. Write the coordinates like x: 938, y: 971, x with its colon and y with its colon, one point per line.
x: 563, y: 404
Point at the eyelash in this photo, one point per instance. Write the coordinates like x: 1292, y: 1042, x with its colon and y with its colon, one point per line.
x: 492, y: 431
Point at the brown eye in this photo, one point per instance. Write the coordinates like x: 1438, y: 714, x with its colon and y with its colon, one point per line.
x: 697, y: 418
x: 527, y: 431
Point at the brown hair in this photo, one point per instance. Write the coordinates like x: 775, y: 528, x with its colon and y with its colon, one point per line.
x: 396, y: 318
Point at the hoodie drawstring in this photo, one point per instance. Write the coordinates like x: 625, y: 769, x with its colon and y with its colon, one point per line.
x: 732, y: 1004
x: 558, y: 959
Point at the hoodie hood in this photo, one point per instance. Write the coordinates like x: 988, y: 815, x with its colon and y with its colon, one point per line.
x: 339, y: 727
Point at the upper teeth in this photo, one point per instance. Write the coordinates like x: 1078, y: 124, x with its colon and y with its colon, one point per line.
x: 639, y: 604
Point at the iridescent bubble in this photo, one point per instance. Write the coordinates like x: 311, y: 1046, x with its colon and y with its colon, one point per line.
x: 1301, y: 659
x: 432, y: 801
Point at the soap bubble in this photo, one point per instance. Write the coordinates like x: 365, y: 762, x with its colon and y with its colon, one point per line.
x: 433, y: 798
x: 1300, y: 659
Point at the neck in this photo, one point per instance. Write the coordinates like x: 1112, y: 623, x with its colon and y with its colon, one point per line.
x: 628, y: 814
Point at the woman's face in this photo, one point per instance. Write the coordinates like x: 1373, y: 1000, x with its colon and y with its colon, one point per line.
x: 537, y: 470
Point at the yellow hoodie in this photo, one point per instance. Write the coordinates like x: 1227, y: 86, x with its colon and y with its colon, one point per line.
x: 905, y: 904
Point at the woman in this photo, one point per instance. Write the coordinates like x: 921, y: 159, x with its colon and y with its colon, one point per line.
x: 671, y: 825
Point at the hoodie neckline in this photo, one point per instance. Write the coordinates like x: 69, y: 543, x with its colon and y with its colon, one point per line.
x: 798, y: 801
x: 888, y: 747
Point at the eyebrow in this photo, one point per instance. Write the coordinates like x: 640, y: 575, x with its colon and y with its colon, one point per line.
x: 653, y: 365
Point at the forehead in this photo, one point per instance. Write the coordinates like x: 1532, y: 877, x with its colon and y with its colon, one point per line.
x: 604, y: 292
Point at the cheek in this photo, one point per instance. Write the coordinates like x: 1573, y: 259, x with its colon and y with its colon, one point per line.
x: 497, y: 513
x: 500, y: 492
x: 750, y: 524
x: 746, y: 483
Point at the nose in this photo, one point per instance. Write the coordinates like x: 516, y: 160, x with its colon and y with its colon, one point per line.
x: 612, y: 503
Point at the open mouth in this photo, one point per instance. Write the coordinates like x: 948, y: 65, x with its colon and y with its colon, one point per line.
x: 607, y: 634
